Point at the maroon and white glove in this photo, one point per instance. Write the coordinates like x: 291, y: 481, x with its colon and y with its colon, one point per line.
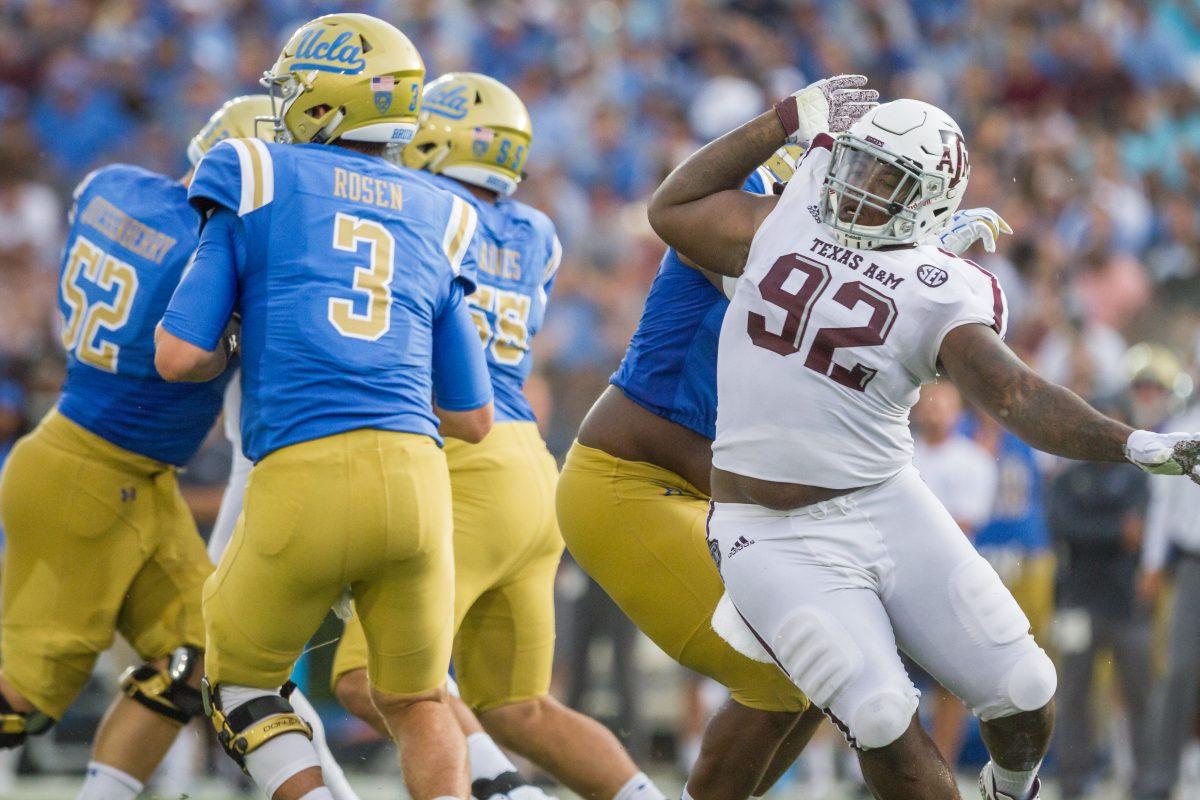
x: 831, y: 105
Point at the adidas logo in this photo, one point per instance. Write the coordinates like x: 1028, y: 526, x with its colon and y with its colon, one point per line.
x: 741, y: 544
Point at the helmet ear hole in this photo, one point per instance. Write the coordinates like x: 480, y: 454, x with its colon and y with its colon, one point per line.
x: 366, y: 46
x: 425, y: 147
x: 318, y: 111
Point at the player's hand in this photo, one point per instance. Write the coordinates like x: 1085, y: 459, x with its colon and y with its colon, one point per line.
x: 831, y: 105
x: 971, y: 225
x: 1165, y: 453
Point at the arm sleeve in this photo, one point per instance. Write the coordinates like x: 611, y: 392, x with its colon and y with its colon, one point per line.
x: 204, y: 300
x: 460, y: 374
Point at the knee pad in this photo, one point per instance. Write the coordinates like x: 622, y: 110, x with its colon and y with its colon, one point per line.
x: 17, y: 726
x: 166, y: 691
x: 818, y: 654
x: 1030, y: 684
x: 985, y: 606
x: 881, y: 719
x: 252, y: 724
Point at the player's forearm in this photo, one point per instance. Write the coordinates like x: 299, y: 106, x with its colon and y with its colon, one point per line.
x: 179, y: 361
x: 1045, y: 415
x: 721, y: 165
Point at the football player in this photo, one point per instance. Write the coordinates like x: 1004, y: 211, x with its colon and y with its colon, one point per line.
x: 832, y: 550
x: 253, y: 121
x: 349, y: 274
x: 474, y: 138
x: 99, y: 538
x: 641, y: 465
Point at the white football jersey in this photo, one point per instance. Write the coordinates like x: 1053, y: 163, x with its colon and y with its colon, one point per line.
x: 824, y: 347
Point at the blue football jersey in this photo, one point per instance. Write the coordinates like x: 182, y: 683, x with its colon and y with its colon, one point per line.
x: 519, y: 253
x: 670, y: 366
x: 1018, y: 517
x: 342, y: 266
x: 132, y: 233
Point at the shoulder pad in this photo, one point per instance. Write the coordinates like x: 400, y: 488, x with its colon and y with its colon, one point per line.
x: 238, y: 174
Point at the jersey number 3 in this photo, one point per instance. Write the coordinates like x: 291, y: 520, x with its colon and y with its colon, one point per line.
x: 799, y: 304
x: 82, y: 323
x: 374, y: 280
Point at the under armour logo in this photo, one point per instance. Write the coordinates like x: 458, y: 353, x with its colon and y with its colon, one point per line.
x: 741, y: 544
x: 128, y: 494
x: 671, y: 491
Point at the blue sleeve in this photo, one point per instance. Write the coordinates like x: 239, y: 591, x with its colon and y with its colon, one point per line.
x: 460, y: 375
x: 218, y: 178
x: 754, y: 184
x: 204, y: 300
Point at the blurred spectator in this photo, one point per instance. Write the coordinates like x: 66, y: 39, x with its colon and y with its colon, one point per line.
x: 1096, y: 515
x: 12, y: 424
x: 1015, y: 539
x: 963, y: 476
x: 1173, y: 526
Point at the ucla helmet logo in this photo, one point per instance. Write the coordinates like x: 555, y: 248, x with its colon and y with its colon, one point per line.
x: 317, y: 51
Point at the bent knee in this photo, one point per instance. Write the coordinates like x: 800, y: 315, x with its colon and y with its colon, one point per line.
x: 882, y: 718
x: 353, y: 691
x: 1029, y: 686
x: 388, y: 703
x: 521, y: 715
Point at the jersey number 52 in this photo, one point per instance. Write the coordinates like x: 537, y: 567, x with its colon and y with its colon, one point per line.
x: 81, y: 331
x: 799, y: 304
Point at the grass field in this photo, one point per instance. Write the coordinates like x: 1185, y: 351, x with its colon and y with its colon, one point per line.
x: 379, y: 787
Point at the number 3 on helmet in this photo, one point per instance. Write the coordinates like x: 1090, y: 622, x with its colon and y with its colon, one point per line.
x: 346, y: 76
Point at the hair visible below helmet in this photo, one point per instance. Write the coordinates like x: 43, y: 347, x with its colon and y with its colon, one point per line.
x: 346, y: 76
x: 474, y: 129
x: 245, y: 117
x: 896, y: 176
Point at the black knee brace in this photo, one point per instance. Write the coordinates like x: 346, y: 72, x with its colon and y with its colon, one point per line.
x: 251, y: 725
x: 166, y: 691
x: 17, y: 726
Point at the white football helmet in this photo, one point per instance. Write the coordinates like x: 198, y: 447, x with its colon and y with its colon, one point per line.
x: 896, y: 176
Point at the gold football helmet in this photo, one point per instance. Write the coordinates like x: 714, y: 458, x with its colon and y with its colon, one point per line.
x: 346, y: 76
x: 245, y: 117
x: 782, y: 163
x: 473, y: 128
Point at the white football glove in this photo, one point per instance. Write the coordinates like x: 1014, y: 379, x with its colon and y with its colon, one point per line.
x: 971, y: 225
x: 1165, y: 453
x: 831, y: 105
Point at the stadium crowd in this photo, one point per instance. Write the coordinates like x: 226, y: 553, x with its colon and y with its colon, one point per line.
x: 1083, y: 123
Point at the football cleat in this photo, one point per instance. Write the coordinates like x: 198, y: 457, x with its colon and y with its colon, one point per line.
x: 245, y: 117
x: 346, y: 76
x: 473, y: 128
x: 988, y: 790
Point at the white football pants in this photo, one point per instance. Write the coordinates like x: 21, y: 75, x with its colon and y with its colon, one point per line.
x: 832, y: 589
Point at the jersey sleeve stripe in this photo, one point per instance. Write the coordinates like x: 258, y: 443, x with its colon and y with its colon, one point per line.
x: 999, y: 307
x: 459, y: 230
x: 266, y: 174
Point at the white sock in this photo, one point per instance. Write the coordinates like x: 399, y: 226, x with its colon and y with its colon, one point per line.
x: 108, y: 783
x: 639, y: 787
x: 335, y: 779
x: 1014, y: 783
x: 486, y: 757
x: 279, y: 758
